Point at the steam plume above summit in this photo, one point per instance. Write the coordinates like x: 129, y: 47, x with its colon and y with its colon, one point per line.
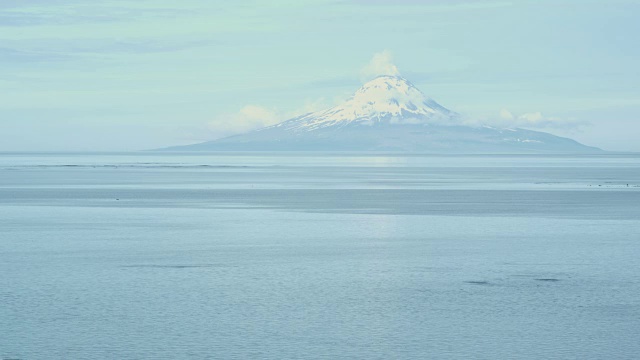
x: 381, y: 64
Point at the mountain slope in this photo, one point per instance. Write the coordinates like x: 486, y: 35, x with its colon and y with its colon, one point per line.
x: 389, y: 114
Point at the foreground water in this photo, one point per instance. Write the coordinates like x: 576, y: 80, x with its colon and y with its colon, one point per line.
x: 213, y: 256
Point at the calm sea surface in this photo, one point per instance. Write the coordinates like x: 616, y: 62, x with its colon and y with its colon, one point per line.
x: 294, y: 256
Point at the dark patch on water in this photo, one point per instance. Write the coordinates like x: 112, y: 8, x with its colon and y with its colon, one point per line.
x: 547, y: 279
x: 478, y: 282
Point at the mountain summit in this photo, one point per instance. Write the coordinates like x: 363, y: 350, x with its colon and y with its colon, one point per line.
x: 385, y: 99
x: 389, y: 114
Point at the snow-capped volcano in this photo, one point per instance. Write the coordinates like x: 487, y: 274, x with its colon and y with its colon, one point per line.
x: 385, y: 99
x: 389, y: 114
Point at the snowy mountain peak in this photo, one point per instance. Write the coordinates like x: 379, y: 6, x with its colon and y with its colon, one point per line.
x: 385, y: 99
x: 396, y: 96
x: 388, y: 87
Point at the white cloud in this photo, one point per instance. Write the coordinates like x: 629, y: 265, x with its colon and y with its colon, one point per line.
x: 246, y: 119
x: 252, y: 117
x: 380, y: 64
x: 506, y: 114
x: 535, y: 120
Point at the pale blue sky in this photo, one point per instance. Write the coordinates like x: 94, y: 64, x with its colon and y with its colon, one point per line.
x: 139, y: 74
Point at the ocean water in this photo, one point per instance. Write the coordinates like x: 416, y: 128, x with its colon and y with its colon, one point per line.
x: 325, y: 256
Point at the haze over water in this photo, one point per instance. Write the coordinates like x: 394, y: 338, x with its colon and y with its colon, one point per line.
x: 323, y: 256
